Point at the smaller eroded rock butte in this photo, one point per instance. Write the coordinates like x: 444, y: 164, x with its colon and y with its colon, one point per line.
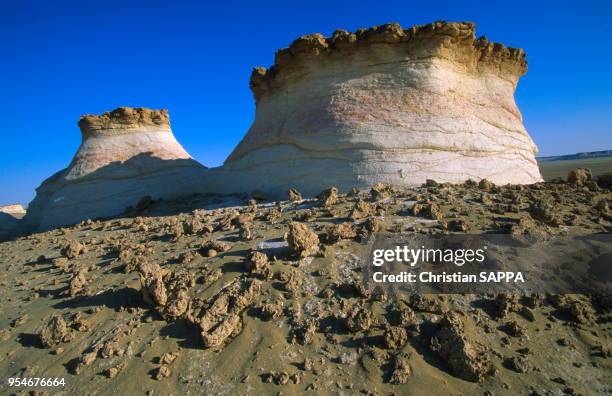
x: 125, y: 155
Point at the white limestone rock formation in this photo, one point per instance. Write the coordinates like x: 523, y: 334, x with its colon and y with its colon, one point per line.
x: 14, y: 210
x: 125, y: 155
x: 384, y: 104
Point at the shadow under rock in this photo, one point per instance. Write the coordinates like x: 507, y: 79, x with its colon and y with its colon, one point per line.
x: 234, y: 266
x: 53, y: 293
x: 488, y: 306
x: 28, y: 340
x: 365, y: 340
x: 187, y: 333
x: 332, y: 324
x: 148, y: 205
x: 421, y: 346
x: 114, y: 299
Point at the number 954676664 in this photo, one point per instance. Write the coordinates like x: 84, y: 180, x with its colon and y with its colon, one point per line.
x: 35, y: 382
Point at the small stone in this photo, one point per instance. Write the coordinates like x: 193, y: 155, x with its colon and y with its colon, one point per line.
x: 294, y: 195
x: 401, y: 371
x: 302, y: 241
x: 518, y: 364
x: 579, y: 176
x: 162, y: 372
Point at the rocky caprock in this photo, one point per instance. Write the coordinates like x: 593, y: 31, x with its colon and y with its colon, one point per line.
x: 389, y: 105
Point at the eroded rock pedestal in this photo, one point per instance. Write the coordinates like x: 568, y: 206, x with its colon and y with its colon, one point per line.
x: 384, y: 104
x: 125, y: 155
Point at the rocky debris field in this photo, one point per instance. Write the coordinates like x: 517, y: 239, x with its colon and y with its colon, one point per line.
x: 267, y: 298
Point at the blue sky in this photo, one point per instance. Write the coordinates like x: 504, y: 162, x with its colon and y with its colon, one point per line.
x: 62, y: 59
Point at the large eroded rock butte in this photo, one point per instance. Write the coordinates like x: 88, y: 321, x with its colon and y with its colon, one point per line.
x: 384, y: 104
x: 125, y: 155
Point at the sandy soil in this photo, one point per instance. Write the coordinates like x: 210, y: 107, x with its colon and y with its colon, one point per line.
x: 265, y: 298
x: 554, y: 169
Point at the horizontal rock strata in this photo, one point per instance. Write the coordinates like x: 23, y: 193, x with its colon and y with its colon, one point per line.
x: 385, y: 104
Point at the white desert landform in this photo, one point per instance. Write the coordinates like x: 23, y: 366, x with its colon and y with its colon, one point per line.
x: 384, y: 104
x: 125, y: 155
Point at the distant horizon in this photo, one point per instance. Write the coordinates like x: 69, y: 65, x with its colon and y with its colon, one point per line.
x: 576, y: 153
x: 71, y: 58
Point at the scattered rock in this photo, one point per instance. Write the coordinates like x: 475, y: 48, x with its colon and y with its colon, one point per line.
x: 54, y: 332
x: 219, y: 317
x: 303, y: 332
x: 358, y: 320
x: 78, y: 282
x: 217, y: 246
x: 395, y: 337
x: 486, y: 185
x: 162, y: 372
x: 258, y: 265
x: 114, y: 371
x: 362, y: 209
x: 328, y: 197
x: 271, y: 311
x: 73, y: 249
x: 579, y: 176
x: 463, y: 358
x: 515, y: 329
x: 380, y: 191
x: 544, y: 211
x: 87, y: 359
x: 342, y: 231
x: 167, y: 358
x: 294, y: 195
x: 429, y: 210
x: 152, y: 285
x: 280, y: 378
x: 302, y: 241
x: 518, y: 364
x: 401, y: 370
x: 505, y: 303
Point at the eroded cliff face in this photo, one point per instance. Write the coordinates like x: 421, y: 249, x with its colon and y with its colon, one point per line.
x: 385, y: 104
x: 125, y: 155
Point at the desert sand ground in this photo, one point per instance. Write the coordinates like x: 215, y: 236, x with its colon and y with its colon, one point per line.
x: 211, y: 295
x: 555, y: 169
